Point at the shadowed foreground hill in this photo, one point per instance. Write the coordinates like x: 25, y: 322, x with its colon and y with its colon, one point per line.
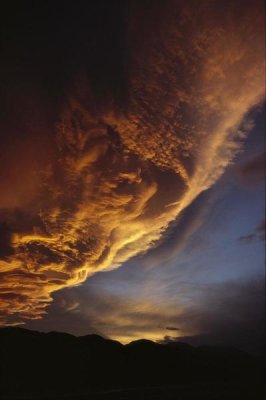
x: 39, y: 365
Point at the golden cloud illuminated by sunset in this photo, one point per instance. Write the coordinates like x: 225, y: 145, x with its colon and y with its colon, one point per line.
x: 116, y: 179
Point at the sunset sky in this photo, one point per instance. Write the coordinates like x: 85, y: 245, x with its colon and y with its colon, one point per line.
x: 132, y: 158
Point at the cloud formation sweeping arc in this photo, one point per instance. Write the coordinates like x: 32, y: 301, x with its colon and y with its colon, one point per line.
x: 116, y: 178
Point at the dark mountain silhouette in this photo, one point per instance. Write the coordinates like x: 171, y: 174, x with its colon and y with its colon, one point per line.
x: 46, y: 365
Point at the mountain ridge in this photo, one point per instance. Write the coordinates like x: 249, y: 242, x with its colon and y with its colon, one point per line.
x: 56, y: 363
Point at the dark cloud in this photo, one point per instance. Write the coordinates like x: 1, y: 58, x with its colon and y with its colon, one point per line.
x: 253, y: 171
x: 88, y: 36
x: 230, y: 315
x: 258, y: 234
x: 261, y: 229
x: 5, y: 240
x: 247, y: 238
x: 172, y: 328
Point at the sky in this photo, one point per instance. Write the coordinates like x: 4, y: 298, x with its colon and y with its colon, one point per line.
x: 132, y: 170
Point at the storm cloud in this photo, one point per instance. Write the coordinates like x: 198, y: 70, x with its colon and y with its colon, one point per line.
x: 130, y: 139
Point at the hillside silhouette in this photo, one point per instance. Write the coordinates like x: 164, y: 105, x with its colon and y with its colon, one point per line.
x: 46, y: 365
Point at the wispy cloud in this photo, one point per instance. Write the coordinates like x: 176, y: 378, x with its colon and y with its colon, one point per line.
x: 172, y: 328
x: 258, y: 234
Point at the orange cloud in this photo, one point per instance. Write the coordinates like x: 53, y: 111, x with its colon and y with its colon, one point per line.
x: 119, y: 178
